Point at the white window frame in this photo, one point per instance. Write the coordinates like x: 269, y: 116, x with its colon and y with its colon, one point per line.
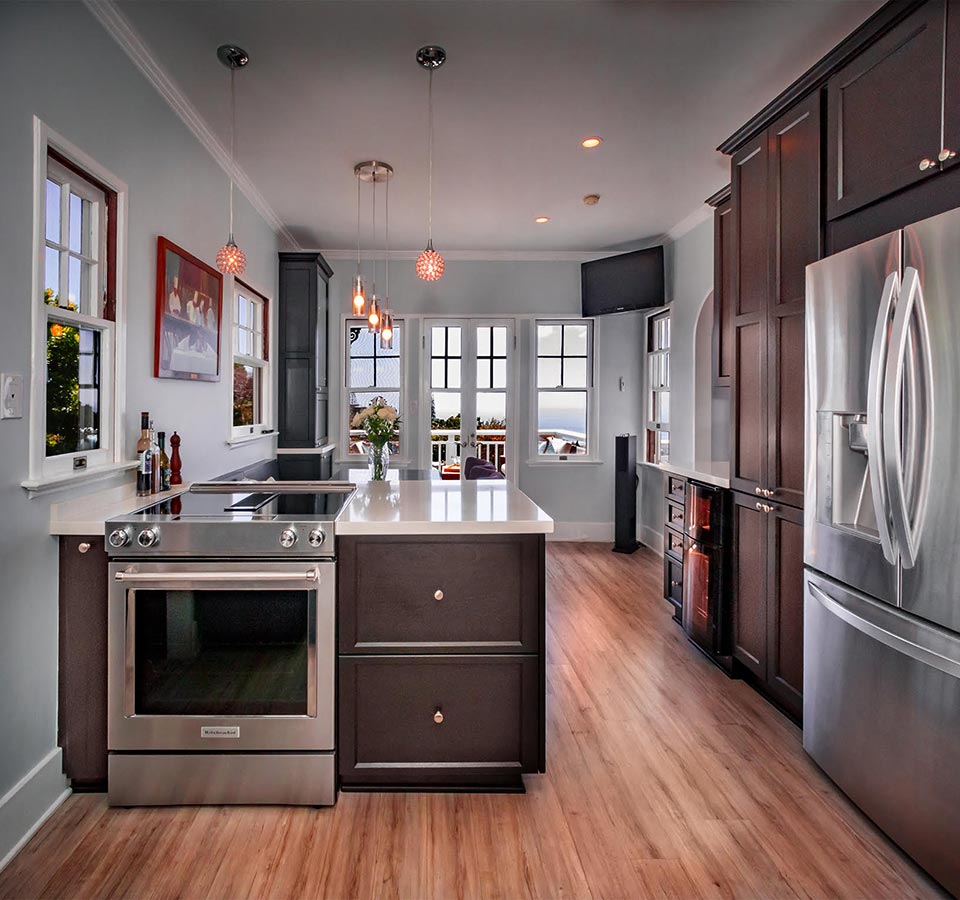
x: 400, y: 343
x: 653, y: 389
x: 53, y: 472
x: 262, y: 305
x: 550, y: 459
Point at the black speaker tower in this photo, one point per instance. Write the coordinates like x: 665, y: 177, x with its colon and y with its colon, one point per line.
x: 625, y: 495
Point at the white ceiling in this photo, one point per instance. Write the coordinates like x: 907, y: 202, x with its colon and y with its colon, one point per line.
x: 332, y: 83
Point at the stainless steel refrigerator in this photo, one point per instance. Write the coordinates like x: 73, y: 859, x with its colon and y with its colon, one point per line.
x: 881, y: 703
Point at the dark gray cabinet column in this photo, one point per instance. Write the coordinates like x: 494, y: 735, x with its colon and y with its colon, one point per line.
x: 302, y: 363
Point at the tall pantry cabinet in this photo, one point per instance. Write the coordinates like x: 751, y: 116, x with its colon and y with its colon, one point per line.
x: 775, y: 205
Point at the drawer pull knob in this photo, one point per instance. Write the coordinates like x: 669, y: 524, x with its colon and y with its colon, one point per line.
x: 926, y: 163
x: 438, y: 594
x: 674, y: 584
x: 946, y: 153
x: 83, y: 547
x: 438, y: 717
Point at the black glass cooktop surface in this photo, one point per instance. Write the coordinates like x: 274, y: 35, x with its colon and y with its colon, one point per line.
x: 245, y: 505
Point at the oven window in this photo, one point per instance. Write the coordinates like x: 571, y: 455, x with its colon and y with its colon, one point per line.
x: 221, y: 653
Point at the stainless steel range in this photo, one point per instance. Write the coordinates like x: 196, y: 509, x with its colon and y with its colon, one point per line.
x: 221, y: 646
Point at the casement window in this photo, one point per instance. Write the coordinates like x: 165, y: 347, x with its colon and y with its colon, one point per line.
x: 564, y: 402
x: 372, y: 374
x: 251, y: 362
x: 658, y: 388
x: 74, y: 396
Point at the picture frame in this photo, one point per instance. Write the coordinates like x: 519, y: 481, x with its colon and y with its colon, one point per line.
x: 189, y: 316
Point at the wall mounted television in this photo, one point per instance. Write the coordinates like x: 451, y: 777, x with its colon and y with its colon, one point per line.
x: 620, y: 283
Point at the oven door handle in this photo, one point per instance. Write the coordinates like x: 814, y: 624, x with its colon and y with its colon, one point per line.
x: 311, y: 575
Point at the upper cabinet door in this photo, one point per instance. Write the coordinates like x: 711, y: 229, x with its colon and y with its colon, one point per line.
x: 794, y: 153
x: 723, y: 292
x: 883, y: 113
x: 951, y: 84
x: 751, y: 296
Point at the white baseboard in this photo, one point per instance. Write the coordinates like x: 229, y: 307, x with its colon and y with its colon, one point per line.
x: 29, y: 803
x: 651, y: 538
x: 582, y: 531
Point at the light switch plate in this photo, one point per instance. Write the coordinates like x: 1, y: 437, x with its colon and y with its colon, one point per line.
x: 11, y: 395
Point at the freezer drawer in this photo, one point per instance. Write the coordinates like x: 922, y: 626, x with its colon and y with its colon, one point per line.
x: 881, y: 714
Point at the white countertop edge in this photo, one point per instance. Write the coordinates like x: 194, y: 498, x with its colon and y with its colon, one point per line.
x: 348, y: 529
x: 694, y: 473
x: 87, y: 516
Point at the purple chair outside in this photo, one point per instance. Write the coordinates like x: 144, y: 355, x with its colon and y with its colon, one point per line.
x: 474, y: 469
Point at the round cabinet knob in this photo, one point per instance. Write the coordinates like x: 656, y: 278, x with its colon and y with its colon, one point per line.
x: 149, y: 537
x: 768, y: 493
x: 926, y: 163
x: 288, y: 537
x: 438, y: 717
x: 316, y: 537
x: 118, y: 538
x: 438, y: 594
x: 83, y: 547
x: 758, y: 491
x: 946, y: 153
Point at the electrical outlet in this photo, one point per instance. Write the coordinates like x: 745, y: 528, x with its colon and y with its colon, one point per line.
x: 11, y: 396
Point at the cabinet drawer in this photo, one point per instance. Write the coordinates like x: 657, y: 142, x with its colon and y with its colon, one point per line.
x: 676, y: 488
x: 673, y: 581
x: 481, y: 594
x: 487, y: 706
x: 675, y: 515
x: 673, y: 543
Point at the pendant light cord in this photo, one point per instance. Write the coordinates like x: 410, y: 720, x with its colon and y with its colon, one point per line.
x: 386, y: 241
x: 374, y: 241
x: 430, y: 157
x: 233, y: 139
x: 358, y: 224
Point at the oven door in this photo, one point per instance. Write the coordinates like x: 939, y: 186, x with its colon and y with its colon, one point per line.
x: 221, y: 656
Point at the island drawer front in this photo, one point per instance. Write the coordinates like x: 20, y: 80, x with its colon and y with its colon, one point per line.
x: 676, y: 488
x: 673, y: 543
x: 480, y: 594
x: 675, y: 515
x: 489, y: 719
x: 673, y: 582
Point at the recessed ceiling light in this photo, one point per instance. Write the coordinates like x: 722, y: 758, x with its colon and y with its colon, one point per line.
x: 542, y: 220
x: 591, y: 142
x: 591, y: 199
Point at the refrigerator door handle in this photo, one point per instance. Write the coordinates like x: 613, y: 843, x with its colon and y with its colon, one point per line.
x: 875, y: 397
x: 908, y: 508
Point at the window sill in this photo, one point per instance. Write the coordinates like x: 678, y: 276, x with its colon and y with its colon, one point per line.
x: 250, y: 438
x: 570, y: 460
x: 37, y: 486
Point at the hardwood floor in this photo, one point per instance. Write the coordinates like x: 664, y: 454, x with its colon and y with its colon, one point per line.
x: 664, y: 779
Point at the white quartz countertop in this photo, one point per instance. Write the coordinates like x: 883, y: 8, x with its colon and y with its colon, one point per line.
x: 442, y: 507
x: 715, y: 473
x: 86, y: 515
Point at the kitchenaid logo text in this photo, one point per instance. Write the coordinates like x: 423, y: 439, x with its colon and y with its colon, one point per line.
x: 219, y: 731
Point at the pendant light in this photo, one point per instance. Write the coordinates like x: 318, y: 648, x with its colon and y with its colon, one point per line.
x: 386, y: 319
x: 429, y: 262
x: 231, y: 260
x: 371, y: 172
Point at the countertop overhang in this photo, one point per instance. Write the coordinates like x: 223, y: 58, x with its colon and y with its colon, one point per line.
x: 714, y: 473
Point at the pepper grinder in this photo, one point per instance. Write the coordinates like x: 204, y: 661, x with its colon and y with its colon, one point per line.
x: 175, y: 459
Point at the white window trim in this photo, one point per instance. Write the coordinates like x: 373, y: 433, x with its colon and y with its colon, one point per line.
x: 244, y: 434
x: 109, y: 458
x: 650, y: 389
x: 344, y: 457
x: 593, y: 412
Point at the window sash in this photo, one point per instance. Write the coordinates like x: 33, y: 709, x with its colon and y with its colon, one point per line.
x: 257, y: 330
x: 398, y: 353
x: 658, y: 377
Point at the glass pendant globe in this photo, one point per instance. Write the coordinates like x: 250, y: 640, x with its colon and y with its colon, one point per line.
x: 231, y: 260
x: 430, y: 264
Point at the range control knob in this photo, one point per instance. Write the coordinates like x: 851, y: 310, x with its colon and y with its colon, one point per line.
x: 288, y: 537
x: 149, y: 537
x: 317, y: 537
x: 118, y: 538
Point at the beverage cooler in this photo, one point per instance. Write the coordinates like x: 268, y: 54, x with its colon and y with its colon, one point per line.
x: 705, y: 613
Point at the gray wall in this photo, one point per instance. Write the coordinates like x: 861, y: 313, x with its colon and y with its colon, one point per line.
x: 108, y: 110
x: 576, y: 493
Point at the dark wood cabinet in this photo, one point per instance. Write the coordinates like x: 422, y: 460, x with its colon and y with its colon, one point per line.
x: 82, y: 675
x: 442, y: 662
x: 302, y: 363
x: 768, y: 583
x: 723, y: 287
x: 883, y: 113
x: 951, y: 85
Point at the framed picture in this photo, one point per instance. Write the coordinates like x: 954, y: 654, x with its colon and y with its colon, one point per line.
x: 189, y: 309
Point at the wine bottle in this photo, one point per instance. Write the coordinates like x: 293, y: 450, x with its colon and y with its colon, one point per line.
x: 164, y: 461
x: 144, y: 457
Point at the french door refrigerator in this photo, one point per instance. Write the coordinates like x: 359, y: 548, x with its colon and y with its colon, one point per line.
x: 881, y: 702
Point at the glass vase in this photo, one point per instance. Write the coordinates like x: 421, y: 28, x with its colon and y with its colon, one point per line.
x: 379, y: 460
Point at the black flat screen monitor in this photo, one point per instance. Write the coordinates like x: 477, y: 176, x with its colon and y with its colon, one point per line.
x: 619, y: 283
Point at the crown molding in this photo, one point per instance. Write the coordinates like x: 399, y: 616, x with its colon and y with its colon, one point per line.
x: 480, y: 255
x: 118, y: 26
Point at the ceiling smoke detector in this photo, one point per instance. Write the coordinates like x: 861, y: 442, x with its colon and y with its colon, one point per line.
x: 591, y: 199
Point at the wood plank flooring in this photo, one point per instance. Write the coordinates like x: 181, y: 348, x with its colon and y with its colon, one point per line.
x: 665, y: 780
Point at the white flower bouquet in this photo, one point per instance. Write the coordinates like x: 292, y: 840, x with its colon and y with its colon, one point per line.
x: 380, y: 424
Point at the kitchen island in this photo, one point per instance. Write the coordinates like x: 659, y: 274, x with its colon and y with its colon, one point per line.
x: 441, y: 609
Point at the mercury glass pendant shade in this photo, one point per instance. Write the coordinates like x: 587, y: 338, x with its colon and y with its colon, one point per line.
x: 359, y: 293
x: 430, y: 264
x: 386, y: 329
x: 373, y: 317
x: 231, y: 260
